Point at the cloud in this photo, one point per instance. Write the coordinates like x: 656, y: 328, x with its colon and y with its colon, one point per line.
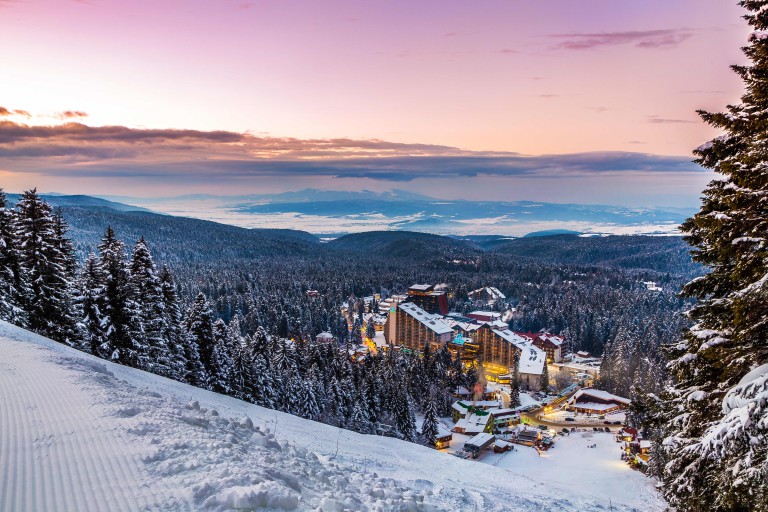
x: 598, y: 109
x: 661, y: 120
x: 649, y: 39
x: 508, y: 51
x: 4, y: 112
x: 11, y: 132
x: 163, y: 155
x: 71, y: 114
x: 549, y: 95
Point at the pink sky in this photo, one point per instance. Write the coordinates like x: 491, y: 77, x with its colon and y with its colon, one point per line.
x: 556, y: 77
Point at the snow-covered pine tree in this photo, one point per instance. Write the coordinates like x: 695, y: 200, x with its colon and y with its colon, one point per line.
x: 64, y: 253
x: 263, y: 387
x: 544, y: 381
x: 121, y: 311
x: 47, y: 259
x: 514, y: 384
x: 91, y: 303
x: 429, y: 429
x: 199, y: 329
x: 156, y: 355
x: 717, y: 421
x: 181, y: 352
x: 359, y: 421
x: 13, y: 288
x: 242, y: 372
x: 405, y: 416
x: 223, y: 365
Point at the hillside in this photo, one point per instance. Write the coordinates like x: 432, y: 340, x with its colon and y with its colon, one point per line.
x: 657, y: 253
x: 92, y: 435
x: 182, y: 238
x: 397, y: 244
x: 60, y: 200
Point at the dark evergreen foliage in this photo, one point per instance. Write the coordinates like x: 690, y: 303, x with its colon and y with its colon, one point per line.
x: 716, y: 420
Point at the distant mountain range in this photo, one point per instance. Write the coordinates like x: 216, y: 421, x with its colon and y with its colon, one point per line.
x: 338, y: 212
x: 187, y: 241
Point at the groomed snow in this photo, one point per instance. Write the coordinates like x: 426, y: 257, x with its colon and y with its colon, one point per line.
x: 79, y: 433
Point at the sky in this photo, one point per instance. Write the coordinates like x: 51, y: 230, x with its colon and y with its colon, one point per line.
x: 591, y: 101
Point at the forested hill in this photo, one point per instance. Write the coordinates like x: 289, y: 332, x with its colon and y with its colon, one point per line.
x: 193, y: 241
x: 409, y: 244
x: 61, y: 200
x: 182, y: 239
x: 666, y: 254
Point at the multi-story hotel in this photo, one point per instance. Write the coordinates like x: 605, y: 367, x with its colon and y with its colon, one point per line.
x: 410, y: 327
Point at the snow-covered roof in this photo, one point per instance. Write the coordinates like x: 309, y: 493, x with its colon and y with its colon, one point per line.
x: 325, y: 335
x: 464, y: 326
x: 433, y: 322
x: 480, y: 439
x: 461, y: 390
x: 597, y: 393
x: 463, y: 407
x: 492, y: 314
x: 473, y: 423
x: 593, y: 406
x: 552, y: 338
x: 499, y: 413
x: 421, y: 287
x: 491, y: 291
x: 532, y: 358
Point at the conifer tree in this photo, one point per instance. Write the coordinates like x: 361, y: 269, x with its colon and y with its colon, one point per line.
x: 199, y: 329
x: 514, y: 384
x: 223, y: 348
x: 91, y: 304
x: 405, y: 417
x: 156, y: 355
x: 717, y: 419
x: 121, y: 311
x: 544, y: 382
x: 47, y: 260
x: 13, y: 288
x: 429, y: 429
x: 185, y: 359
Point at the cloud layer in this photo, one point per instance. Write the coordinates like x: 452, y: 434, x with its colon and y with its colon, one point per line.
x: 648, y: 39
x: 77, y: 150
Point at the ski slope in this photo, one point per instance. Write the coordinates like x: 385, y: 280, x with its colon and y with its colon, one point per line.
x: 79, y: 433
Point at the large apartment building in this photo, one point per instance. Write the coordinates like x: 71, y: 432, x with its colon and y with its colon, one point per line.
x: 427, y: 298
x: 410, y: 327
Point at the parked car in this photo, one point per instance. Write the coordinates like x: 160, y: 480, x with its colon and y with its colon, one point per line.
x: 606, y: 423
x: 543, y: 427
x: 570, y: 419
x: 617, y: 423
x: 607, y: 429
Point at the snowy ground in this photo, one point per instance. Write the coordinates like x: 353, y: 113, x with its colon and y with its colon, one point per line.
x: 574, y: 464
x: 78, y: 433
